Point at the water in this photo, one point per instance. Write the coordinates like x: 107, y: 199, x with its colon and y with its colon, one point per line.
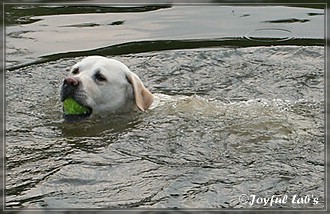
x: 120, y: 30
x: 235, y: 117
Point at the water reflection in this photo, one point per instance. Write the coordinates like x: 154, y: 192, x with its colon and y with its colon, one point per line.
x: 115, y: 30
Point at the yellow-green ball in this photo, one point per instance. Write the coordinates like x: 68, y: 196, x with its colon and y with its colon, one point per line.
x: 71, y: 106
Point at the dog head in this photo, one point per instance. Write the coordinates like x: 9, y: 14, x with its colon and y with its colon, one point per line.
x: 105, y: 85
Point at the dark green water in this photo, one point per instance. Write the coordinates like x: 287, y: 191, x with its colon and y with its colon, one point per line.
x: 242, y: 108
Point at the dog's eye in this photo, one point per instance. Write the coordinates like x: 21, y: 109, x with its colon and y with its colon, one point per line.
x: 75, y: 71
x: 98, y: 76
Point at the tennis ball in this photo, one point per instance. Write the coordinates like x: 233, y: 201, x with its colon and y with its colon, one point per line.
x: 70, y: 106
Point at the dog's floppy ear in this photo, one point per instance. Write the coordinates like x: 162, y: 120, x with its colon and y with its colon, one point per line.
x: 143, y: 97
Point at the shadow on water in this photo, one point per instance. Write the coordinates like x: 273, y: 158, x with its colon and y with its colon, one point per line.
x: 24, y: 14
x: 99, y: 124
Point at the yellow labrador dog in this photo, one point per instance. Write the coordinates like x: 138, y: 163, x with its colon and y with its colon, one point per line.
x: 105, y: 85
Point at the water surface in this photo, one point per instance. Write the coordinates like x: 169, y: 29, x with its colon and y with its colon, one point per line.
x: 116, y: 30
x: 234, y: 119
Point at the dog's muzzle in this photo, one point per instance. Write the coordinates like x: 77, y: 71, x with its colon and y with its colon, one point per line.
x: 71, y: 87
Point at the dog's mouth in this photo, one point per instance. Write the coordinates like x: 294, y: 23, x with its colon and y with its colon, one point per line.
x: 74, y: 111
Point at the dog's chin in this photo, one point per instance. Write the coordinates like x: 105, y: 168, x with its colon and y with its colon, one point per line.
x: 77, y: 117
